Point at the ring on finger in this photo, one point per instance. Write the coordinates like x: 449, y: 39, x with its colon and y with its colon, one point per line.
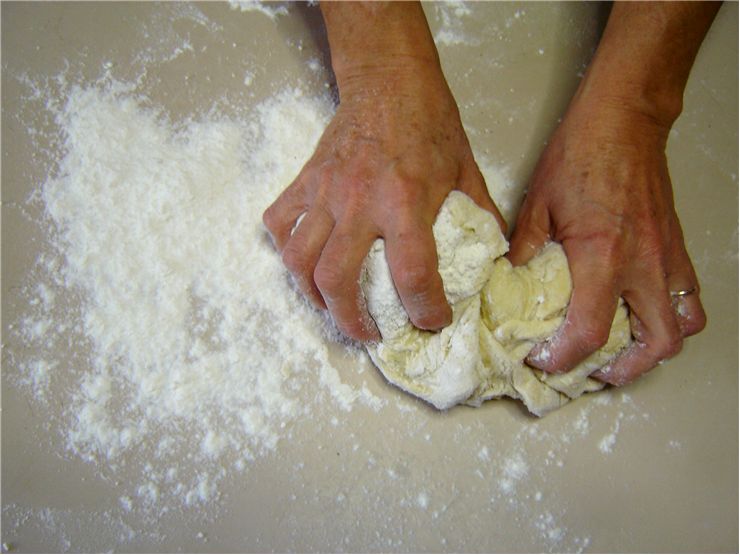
x: 680, y: 300
x: 685, y: 292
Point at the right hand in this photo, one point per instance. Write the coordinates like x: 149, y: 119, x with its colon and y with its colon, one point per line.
x: 394, y: 150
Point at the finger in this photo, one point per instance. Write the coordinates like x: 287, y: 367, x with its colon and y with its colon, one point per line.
x: 337, y: 276
x: 656, y: 332
x: 531, y: 232
x: 473, y: 184
x: 634, y: 361
x: 280, y: 217
x: 303, y: 250
x: 412, y: 257
x: 682, y: 278
x: 590, y: 312
x: 689, y: 311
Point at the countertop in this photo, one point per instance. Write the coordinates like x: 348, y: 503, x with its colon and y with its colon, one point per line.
x: 649, y: 467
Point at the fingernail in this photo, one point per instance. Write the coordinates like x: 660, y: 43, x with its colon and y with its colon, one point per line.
x: 433, y: 321
x: 539, y: 356
x: 607, y: 376
x: 599, y: 375
x: 447, y: 319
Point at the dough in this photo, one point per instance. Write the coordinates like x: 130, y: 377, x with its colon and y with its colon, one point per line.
x: 499, y: 313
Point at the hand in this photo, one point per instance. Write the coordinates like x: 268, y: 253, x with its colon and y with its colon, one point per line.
x: 602, y: 189
x: 383, y: 167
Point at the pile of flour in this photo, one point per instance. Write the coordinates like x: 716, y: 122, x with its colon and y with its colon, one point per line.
x: 189, y: 342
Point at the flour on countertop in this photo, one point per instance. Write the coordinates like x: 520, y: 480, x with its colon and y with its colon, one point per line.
x: 514, y: 469
x: 159, y: 236
x: 606, y: 444
x: 270, y: 9
x: 451, y: 31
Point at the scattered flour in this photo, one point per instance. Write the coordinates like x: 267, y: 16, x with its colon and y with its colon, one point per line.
x: 248, y: 78
x: 514, y: 469
x: 270, y: 9
x: 547, y: 526
x: 675, y: 444
x: 450, y: 16
x: 61, y: 531
x: 606, y: 444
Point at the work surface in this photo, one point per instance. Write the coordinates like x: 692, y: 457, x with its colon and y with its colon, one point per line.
x: 304, y: 446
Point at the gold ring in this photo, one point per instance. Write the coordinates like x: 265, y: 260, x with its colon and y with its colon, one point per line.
x: 684, y: 292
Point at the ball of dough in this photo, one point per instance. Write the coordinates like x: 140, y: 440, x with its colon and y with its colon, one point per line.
x: 499, y: 313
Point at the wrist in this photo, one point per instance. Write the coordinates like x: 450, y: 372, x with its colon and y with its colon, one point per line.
x: 638, y: 93
x: 598, y: 122
x: 378, y: 43
x: 645, y: 56
x: 628, y: 105
x: 398, y: 77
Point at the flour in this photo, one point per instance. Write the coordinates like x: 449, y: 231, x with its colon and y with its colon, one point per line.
x: 514, y: 469
x: 606, y: 444
x: 159, y: 236
x: 270, y: 9
x: 451, y: 16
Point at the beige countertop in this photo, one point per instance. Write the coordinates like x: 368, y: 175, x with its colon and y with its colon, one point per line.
x: 650, y: 467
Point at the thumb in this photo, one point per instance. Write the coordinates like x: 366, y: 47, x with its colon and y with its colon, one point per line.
x: 531, y: 232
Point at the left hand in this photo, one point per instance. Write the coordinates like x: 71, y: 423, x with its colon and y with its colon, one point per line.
x: 602, y: 190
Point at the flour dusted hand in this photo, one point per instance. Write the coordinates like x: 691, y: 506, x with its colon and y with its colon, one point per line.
x: 499, y: 313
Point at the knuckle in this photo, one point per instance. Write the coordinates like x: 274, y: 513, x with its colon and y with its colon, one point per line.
x: 408, y: 184
x: 592, y: 337
x: 295, y: 260
x: 330, y: 279
x: 413, y: 166
x: 270, y: 218
x: 417, y: 278
x: 351, y: 329
x: 651, y: 245
x: 408, y: 194
x: 611, y: 246
x: 326, y: 176
x: 669, y: 347
x: 607, y: 240
x: 428, y: 307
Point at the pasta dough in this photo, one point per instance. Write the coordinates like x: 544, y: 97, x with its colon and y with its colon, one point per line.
x: 499, y: 313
